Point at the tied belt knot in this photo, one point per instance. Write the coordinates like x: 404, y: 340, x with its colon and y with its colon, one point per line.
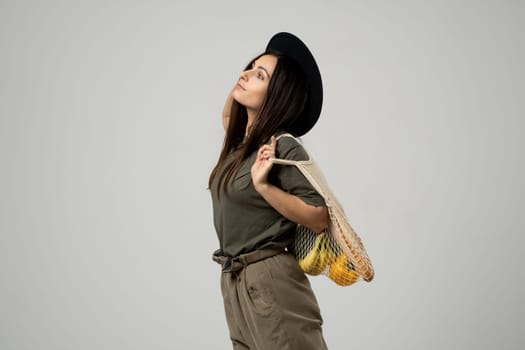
x: 237, y: 263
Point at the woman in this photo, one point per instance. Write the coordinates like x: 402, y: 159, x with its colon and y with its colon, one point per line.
x: 268, y: 301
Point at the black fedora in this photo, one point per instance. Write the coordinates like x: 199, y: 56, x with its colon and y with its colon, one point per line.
x: 290, y: 45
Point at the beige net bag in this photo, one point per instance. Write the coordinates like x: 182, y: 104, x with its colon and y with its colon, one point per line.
x: 338, y: 251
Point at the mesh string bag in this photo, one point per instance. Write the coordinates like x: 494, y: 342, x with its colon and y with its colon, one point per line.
x: 338, y: 251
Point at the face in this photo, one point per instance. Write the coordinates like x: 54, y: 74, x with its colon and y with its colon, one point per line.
x: 253, y: 83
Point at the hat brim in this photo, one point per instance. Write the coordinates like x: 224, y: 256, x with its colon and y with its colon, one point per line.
x: 293, y: 47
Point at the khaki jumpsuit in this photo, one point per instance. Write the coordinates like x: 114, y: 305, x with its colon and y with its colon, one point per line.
x: 268, y: 300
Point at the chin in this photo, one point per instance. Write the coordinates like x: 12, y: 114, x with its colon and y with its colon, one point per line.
x: 236, y: 97
x: 239, y: 100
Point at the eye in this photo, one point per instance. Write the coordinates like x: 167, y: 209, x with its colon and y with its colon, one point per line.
x: 260, y: 76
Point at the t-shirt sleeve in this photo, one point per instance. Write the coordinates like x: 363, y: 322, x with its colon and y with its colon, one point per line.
x: 289, y: 178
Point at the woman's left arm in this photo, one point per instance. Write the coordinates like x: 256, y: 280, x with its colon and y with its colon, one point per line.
x: 291, y: 207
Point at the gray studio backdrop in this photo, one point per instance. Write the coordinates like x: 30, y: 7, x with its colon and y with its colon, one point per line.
x: 110, y: 124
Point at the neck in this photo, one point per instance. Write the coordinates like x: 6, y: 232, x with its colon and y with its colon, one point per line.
x: 252, y: 114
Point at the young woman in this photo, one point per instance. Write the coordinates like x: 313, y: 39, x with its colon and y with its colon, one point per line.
x: 268, y: 301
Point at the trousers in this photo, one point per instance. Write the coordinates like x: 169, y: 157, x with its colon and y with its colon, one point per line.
x: 270, y: 305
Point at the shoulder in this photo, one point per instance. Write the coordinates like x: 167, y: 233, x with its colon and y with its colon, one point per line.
x: 289, y: 148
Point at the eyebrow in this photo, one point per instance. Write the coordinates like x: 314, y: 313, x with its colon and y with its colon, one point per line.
x: 264, y: 69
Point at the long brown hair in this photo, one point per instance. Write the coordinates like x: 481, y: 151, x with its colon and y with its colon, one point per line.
x: 284, y: 102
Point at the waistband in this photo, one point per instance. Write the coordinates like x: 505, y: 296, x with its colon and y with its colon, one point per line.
x: 237, y: 263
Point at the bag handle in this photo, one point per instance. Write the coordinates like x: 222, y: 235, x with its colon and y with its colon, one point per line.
x: 288, y: 161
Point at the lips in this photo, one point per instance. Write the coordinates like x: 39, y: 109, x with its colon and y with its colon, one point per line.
x: 240, y: 87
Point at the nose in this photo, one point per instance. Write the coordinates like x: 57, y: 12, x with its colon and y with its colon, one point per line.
x: 244, y: 75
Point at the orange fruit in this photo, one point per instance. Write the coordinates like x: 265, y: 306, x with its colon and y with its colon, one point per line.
x: 343, y: 272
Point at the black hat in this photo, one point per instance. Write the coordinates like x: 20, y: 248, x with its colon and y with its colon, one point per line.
x: 293, y: 47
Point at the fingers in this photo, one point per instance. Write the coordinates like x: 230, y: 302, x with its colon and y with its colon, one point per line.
x: 265, y: 154
x: 268, y: 151
x: 271, y: 147
x: 273, y: 144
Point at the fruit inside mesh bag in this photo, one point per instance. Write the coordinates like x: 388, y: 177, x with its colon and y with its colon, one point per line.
x: 316, y: 254
x: 343, y: 272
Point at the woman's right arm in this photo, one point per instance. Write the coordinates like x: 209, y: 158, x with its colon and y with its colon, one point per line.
x: 226, y: 111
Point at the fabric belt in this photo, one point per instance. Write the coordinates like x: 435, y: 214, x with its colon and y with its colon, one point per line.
x: 237, y: 263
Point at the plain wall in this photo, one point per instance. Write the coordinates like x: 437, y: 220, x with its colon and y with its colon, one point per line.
x: 110, y: 122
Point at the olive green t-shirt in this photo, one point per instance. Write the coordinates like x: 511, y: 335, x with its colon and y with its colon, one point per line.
x: 244, y: 221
